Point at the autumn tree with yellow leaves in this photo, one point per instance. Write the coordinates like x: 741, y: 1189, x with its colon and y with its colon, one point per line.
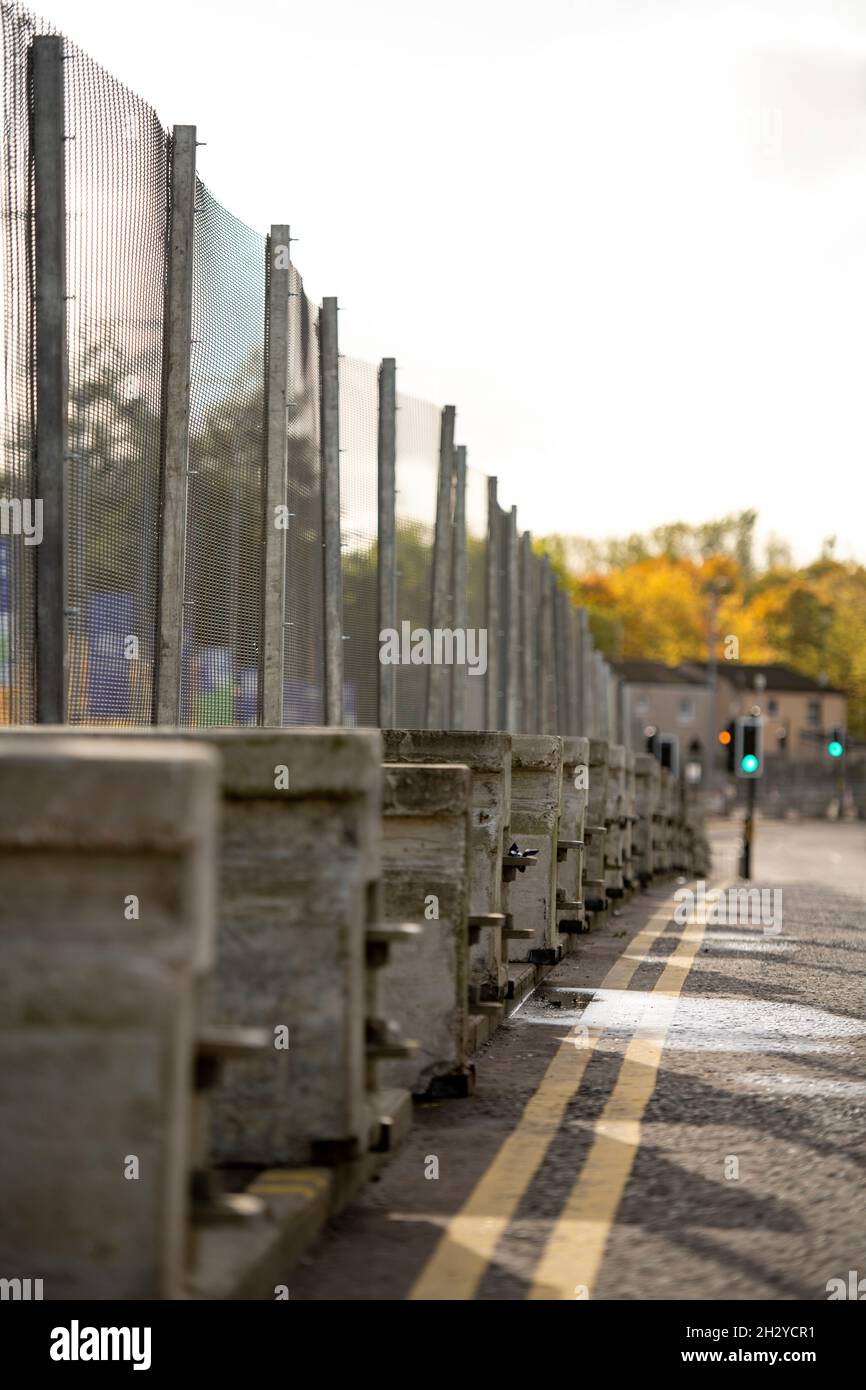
x: 651, y: 597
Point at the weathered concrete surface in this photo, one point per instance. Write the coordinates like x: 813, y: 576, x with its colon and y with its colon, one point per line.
x: 763, y: 1062
x: 615, y: 822
x: 647, y: 787
x: 629, y: 874
x: 536, y: 792
x: 488, y: 757
x: 575, y: 798
x: 299, y: 857
x: 594, y: 828
x: 107, y: 863
x: 426, y: 864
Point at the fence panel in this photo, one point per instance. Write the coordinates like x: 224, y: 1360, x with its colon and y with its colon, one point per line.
x: 17, y: 578
x: 418, y: 425
x: 222, y: 583
x: 304, y: 640
x: 359, y: 508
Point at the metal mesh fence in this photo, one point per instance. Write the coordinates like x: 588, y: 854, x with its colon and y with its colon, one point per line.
x: 116, y: 158
x: 222, y: 577
x: 359, y: 523
x: 417, y: 473
x: 116, y: 217
x: 303, y: 642
x: 17, y: 580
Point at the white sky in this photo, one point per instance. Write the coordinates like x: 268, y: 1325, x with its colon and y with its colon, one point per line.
x: 626, y: 238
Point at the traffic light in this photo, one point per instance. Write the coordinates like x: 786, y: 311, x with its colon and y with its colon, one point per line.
x: 726, y: 739
x: 836, y: 742
x: 749, y: 746
x: 667, y: 750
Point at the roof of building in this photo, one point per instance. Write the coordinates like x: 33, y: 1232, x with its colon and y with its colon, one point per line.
x: 656, y: 673
x: 738, y: 673
x: 780, y: 678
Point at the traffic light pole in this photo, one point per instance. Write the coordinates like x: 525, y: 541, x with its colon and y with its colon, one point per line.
x: 749, y: 829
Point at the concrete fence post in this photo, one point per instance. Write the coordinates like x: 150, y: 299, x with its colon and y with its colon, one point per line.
x: 563, y: 660
x: 528, y: 706
x: 387, y: 548
x: 175, y: 455
x: 440, y: 607
x: 494, y: 545
x: 275, y: 517
x: 547, y: 656
x: 332, y: 555
x: 458, y: 586
x: 511, y: 623
x: 52, y: 376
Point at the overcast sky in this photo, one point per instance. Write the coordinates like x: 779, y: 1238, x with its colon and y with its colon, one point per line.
x: 627, y: 238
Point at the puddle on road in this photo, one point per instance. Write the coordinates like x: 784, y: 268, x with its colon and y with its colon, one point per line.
x: 699, y: 1024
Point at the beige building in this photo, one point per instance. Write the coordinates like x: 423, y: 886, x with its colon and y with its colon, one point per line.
x: 798, y: 711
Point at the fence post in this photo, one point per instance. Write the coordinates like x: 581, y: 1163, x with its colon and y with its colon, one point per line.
x: 276, y: 478
x: 546, y: 653
x: 576, y: 685
x: 437, y: 675
x: 493, y: 546
x: 387, y: 544
x: 52, y: 377
x: 175, y: 455
x: 528, y: 617
x: 511, y: 625
x: 563, y: 661
x: 458, y: 586
x: 332, y: 555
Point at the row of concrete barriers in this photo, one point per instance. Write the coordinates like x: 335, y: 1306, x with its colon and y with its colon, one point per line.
x: 233, y: 958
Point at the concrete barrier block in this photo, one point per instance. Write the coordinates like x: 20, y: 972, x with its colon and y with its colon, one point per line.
x: 536, y: 793
x: 572, y: 823
x: 107, y: 859
x: 488, y: 757
x: 595, y: 831
x: 647, y: 785
x: 615, y: 822
x: 299, y: 862
x: 426, y: 813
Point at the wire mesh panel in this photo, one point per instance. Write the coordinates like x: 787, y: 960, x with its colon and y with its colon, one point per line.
x: 304, y: 635
x: 359, y: 519
x: 417, y: 472
x: 223, y: 566
x: 116, y: 213
x: 17, y: 586
x: 476, y: 591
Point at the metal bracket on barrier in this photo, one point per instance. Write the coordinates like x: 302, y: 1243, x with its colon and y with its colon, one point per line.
x: 479, y: 920
x: 381, y: 936
x: 383, y: 1042
x: 216, y: 1045
x: 512, y: 933
x: 563, y: 846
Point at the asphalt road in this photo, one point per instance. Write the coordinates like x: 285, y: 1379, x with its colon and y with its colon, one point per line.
x: 679, y: 1113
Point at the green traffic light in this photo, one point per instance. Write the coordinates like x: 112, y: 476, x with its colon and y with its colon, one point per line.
x: 749, y: 763
x: 835, y: 749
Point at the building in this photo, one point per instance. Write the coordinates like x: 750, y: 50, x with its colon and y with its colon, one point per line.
x: 798, y: 710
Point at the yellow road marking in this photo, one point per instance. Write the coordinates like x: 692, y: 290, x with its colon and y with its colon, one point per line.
x: 575, y: 1248
x: 458, y: 1263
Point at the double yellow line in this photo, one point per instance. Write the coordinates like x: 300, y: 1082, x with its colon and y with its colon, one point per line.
x: 570, y: 1262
